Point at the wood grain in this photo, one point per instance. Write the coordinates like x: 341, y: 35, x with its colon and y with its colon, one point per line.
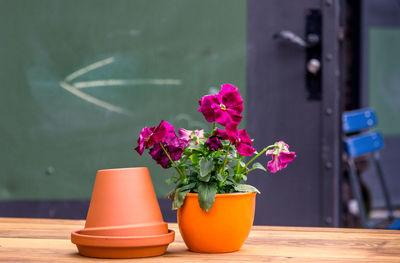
x: 48, y: 240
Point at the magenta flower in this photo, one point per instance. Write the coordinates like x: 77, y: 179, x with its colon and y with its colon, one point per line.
x: 158, y: 154
x: 163, y: 130
x: 221, y: 134
x: 240, y: 139
x: 173, y: 145
x: 224, y: 107
x: 281, y: 156
x: 213, y: 143
x: 149, y: 137
x: 144, y: 141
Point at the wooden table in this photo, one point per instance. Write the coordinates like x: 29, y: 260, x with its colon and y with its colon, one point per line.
x: 48, y: 240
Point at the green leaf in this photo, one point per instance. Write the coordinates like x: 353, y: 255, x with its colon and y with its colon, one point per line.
x: 242, y: 163
x: 219, y: 177
x: 246, y: 188
x: 194, y: 158
x: 231, y: 172
x: 233, y: 163
x: 187, y: 187
x: 230, y: 181
x: 259, y: 166
x: 204, y: 178
x: 206, y: 167
x: 178, y: 198
x: 207, y: 194
x: 217, y: 154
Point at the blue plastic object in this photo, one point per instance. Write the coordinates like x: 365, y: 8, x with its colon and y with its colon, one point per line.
x: 395, y: 225
x: 364, y: 143
x: 358, y: 120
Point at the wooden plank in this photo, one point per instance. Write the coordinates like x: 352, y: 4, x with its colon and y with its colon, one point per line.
x: 41, y: 221
x: 32, y: 250
x: 78, y: 223
x: 36, y: 240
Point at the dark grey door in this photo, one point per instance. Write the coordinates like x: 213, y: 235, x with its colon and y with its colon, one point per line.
x: 283, y: 104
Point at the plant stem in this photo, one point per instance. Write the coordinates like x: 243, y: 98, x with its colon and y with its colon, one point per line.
x: 213, y: 127
x: 173, y: 163
x: 255, y: 157
x: 246, y: 172
x: 238, y: 165
x: 226, y: 158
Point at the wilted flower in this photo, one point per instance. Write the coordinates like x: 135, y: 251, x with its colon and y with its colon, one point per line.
x: 185, y: 135
x: 281, y: 156
x: 224, y: 107
x: 199, y: 134
x: 188, y: 135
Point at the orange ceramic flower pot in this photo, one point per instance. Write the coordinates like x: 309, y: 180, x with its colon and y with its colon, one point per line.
x: 124, y: 219
x: 223, y: 229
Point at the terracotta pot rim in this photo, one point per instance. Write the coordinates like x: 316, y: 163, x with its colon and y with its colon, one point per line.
x: 121, y: 169
x: 121, y: 227
x: 224, y: 195
x: 122, y: 241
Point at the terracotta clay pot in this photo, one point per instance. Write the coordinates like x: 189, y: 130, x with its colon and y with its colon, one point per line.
x: 223, y: 229
x: 124, y: 219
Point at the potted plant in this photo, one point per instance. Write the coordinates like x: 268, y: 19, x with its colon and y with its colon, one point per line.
x: 215, y: 206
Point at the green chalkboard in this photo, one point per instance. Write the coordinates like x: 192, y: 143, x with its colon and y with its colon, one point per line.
x: 384, y: 77
x: 79, y: 79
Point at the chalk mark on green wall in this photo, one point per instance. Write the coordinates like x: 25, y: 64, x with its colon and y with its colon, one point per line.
x: 93, y: 100
x: 74, y: 87
x: 125, y: 82
x: 91, y: 67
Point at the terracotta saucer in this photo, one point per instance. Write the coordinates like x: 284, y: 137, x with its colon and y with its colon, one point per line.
x: 121, y: 246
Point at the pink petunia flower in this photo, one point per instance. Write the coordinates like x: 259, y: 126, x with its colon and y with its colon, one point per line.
x: 199, y: 134
x: 224, y: 107
x: 281, y: 156
x: 187, y: 136
x: 149, y: 137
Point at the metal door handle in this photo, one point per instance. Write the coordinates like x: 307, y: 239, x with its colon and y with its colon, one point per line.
x: 291, y: 37
x: 312, y: 45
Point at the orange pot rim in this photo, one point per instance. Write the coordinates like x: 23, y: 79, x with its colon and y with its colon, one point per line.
x: 224, y: 195
x: 122, y: 241
x: 121, y: 169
